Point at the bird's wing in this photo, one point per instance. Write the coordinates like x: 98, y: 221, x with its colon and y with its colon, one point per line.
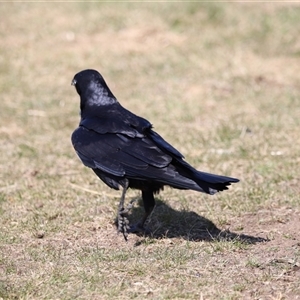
x: 117, y: 153
x: 164, y: 145
x: 127, y: 123
x: 109, y: 125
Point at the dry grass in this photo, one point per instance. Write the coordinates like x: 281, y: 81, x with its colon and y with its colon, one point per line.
x: 220, y: 82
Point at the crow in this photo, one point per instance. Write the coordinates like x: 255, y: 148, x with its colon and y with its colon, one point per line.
x: 124, y: 151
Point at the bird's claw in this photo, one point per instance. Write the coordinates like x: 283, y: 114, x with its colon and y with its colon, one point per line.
x: 123, y: 223
x: 125, y: 228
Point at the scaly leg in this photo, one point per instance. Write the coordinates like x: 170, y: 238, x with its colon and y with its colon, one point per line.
x: 123, y: 223
x: 149, y: 203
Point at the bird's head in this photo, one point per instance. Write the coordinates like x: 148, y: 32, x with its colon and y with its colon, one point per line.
x: 84, y: 78
x: 92, y: 88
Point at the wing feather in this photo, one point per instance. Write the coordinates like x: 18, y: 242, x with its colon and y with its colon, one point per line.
x: 118, y: 154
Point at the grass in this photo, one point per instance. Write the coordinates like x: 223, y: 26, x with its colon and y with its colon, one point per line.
x: 220, y: 81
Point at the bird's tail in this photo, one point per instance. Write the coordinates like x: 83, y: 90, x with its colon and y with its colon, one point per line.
x: 211, y: 183
x: 201, y: 181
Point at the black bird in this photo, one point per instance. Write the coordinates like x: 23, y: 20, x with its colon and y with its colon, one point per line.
x: 124, y: 150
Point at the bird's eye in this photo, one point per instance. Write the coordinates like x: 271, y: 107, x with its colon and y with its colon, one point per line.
x: 73, y: 82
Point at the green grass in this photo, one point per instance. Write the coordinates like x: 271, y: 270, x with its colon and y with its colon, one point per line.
x: 220, y: 81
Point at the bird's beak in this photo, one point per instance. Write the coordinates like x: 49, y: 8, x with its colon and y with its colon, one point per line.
x: 73, y: 82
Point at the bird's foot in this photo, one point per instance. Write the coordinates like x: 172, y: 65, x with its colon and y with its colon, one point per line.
x: 139, y: 229
x: 125, y: 228
x: 123, y: 223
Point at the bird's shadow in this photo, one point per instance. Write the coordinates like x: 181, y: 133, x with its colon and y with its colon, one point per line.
x: 167, y: 222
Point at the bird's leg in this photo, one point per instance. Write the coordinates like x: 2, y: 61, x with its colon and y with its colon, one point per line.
x: 123, y: 223
x: 149, y: 203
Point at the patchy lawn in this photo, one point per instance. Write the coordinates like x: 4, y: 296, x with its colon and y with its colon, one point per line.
x: 218, y: 81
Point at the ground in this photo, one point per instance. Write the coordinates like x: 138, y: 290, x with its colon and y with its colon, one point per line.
x: 220, y: 82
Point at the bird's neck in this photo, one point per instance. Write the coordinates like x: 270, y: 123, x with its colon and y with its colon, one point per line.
x: 96, y: 96
x: 88, y: 109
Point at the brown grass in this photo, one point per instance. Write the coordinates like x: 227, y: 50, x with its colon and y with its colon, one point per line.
x: 220, y: 82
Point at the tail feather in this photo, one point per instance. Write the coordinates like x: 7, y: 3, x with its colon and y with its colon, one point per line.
x: 202, y: 181
x: 212, y: 183
x: 199, y: 181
